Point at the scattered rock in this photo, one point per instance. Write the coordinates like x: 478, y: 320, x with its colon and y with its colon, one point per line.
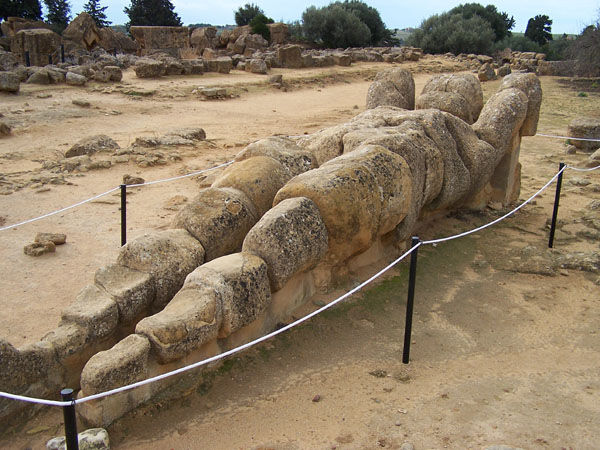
x: 486, y: 73
x: 74, y: 79
x: 571, y: 150
x: 581, y: 182
x: 56, y: 238
x: 378, y: 373
x: 90, y: 145
x: 39, y: 248
x: 9, y: 82
x: 92, y: 439
x: 587, y: 128
x: 407, y: 445
x: 81, y: 102
x: 316, y: 398
x: 502, y: 447
x: 130, y: 179
x: 4, y: 129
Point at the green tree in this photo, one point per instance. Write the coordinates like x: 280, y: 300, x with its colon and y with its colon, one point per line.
x: 333, y: 26
x: 539, y: 29
x: 370, y: 17
x: 453, y: 33
x: 93, y: 8
x: 245, y: 14
x: 499, y: 21
x: 152, y: 13
x: 258, y: 25
x: 59, y: 14
x: 27, y: 9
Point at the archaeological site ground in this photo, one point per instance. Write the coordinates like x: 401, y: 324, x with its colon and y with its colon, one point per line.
x: 327, y: 164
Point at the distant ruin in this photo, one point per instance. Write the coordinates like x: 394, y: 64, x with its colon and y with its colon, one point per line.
x: 289, y: 218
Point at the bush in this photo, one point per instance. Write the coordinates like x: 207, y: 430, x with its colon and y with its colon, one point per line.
x: 334, y: 27
x: 499, y: 21
x: 453, y: 33
x: 152, y: 13
x: 518, y: 43
x: 586, y: 51
x: 258, y: 25
x: 370, y: 17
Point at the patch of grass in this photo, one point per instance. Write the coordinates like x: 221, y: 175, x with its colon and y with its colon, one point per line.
x: 582, y: 94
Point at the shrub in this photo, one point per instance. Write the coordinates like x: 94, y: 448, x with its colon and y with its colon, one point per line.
x: 586, y: 51
x: 499, y: 21
x: 453, y: 33
x: 259, y: 25
x: 333, y: 27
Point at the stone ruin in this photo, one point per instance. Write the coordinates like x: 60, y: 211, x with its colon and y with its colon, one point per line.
x: 289, y: 218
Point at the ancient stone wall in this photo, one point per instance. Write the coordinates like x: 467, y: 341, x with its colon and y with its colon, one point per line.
x: 286, y: 220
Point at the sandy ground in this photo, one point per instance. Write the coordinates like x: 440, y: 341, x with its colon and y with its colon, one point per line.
x: 499, y: 355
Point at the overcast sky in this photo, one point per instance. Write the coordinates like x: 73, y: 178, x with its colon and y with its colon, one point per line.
x: 567, y: 16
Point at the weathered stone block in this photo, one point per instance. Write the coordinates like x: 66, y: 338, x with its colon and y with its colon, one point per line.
x: 290, y: 238
x: 219, y: 218
x: 349, y: 202
x: 40, y: 43
x: 530, y: 85
x: 9, y: 82
x: 392, y: 87
x: 394, y: 181
x: 290, y: 56
x: 587, y: 128
x: 168, y: 256
x: 148, y: 68
x: 94, y: 310
x: 501, y: 118
x: 133, y: 291
x: 123, y: 364
x: 295, y: 159
x: 246, y: 274
x: 191, y: 319
x: 259, y: 178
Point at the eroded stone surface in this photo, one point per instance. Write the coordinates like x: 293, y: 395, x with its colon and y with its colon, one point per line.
x: 168, y: 256
x: 290, y: 238
x: 219, y: 219
x: 123, y: 364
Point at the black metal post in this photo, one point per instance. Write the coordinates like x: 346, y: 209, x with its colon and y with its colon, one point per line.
x: 410, y: 300
x: 27, y: 60
x: 50, y: 59
x: 62, y: 53
x: 123, y: 214
x: 70, y: 420
x: 556, y: 200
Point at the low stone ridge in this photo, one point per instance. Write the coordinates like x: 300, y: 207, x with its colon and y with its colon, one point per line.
x: 9, y: 82
x: 340, y: 195
x: 587, y: 128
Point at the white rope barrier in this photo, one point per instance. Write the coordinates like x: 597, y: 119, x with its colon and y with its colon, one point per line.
x: 287, y: 327
x: 8, y: 227
x: 216, y: 357
x: 577, y: 169
x: 499, y: 219
x: 83, y: 202
x: 568, y: 137
x: 193, y: 174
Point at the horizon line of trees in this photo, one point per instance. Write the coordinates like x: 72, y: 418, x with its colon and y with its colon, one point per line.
x: 466, y: 28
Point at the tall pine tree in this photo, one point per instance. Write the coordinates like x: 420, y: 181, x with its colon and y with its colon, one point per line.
x: 27, y: 9
x: 152, y: 12
x: 59, y: 14
x: 92, y: 7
